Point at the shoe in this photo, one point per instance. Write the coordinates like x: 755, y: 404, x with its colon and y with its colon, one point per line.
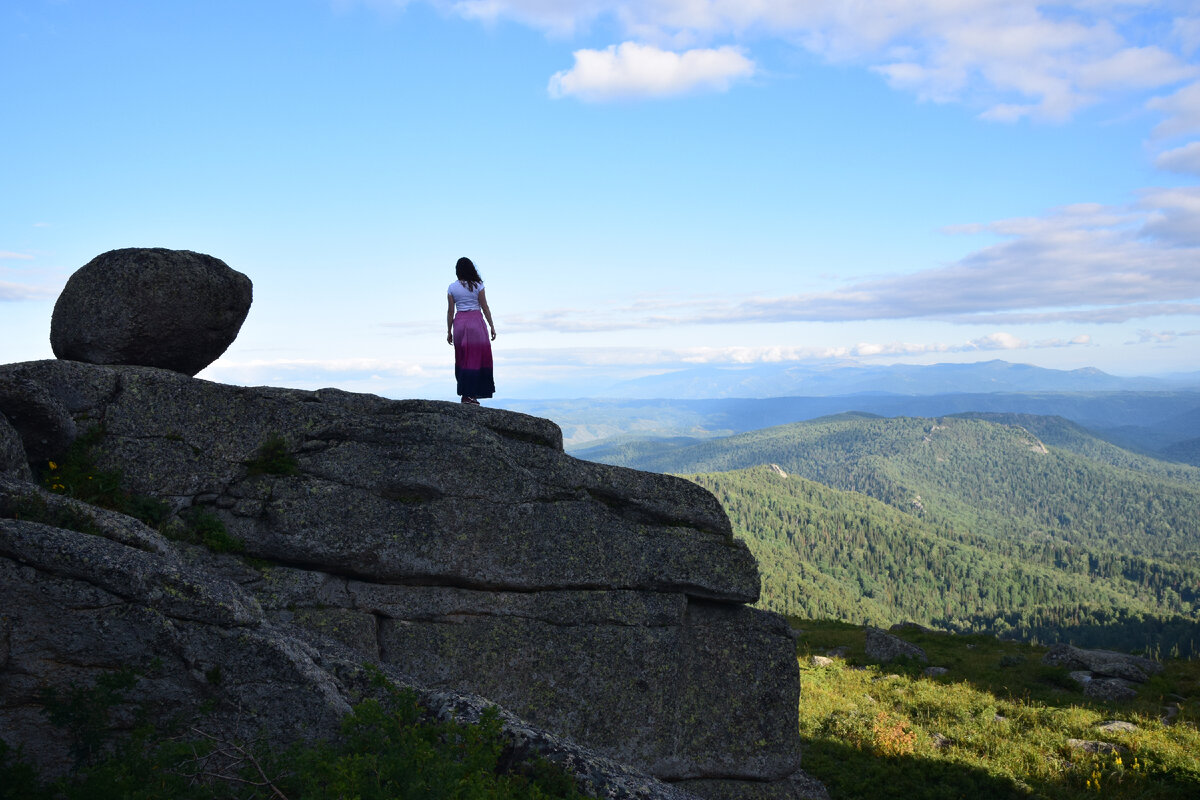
x: 470, y: 400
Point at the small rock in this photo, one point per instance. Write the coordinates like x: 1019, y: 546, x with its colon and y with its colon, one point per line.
x: 1116, y: 725
x: 1082, y: 677
x: 150, y: 307
x: 941, y: 742
x: 821, y: 661
x: 1170, y: 712
x: 1100, y: 748
x: 933, y: 672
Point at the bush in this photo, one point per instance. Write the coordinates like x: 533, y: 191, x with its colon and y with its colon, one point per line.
x: 203, y: 527
x: 77, y: 475
x: 273, y: 458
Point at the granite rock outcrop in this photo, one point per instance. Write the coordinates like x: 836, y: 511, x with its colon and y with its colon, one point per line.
x: 458, y: 548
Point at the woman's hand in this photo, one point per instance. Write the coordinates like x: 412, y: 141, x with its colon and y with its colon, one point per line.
x: 450, y: 338
x: 493, y: 334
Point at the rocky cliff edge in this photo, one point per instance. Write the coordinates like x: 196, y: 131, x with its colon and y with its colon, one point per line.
x: 456, y: 547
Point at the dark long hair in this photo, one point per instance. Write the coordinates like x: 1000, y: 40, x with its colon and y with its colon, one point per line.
x: 466, y: 272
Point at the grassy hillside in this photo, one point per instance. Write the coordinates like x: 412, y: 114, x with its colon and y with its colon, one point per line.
x: 997, y: 724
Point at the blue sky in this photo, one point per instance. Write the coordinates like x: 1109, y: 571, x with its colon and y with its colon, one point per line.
x: 644, y: 186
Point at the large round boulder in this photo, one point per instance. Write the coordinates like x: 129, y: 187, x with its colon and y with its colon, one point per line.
x: 150, y: 307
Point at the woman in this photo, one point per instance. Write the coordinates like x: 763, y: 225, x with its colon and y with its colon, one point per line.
x: 465, y: 330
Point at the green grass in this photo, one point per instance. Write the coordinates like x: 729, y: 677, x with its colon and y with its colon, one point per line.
x: 995, y: 726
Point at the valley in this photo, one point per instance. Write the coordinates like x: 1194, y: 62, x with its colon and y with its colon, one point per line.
x: 1017, y: 524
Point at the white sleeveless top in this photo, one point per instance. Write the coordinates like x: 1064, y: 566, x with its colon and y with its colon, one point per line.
x: 464, y: 298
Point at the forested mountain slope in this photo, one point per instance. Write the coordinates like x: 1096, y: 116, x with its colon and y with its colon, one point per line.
x: 958, y: 521
x: 979, y: 478
x: 1056, y: 431
x: 826, y: 553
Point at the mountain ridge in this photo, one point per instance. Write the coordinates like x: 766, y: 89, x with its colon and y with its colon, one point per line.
x: 1066, y: 523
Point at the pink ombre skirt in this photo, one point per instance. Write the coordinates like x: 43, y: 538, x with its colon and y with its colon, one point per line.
x: 472, y: 355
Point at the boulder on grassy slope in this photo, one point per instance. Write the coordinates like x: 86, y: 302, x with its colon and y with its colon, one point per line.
x: 1103, y: 663
x: 884, y: 647
x: 461, y: 547
x: 152, y: 307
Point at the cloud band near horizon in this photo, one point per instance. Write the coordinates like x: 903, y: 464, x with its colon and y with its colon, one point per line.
x: 1085, y: 263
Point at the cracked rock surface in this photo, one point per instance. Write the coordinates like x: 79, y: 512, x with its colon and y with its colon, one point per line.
x: 604, y: 609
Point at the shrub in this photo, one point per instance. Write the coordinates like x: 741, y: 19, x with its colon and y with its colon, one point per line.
x: 203, y: 527
x: 76, y: 474
x: 273, y: 458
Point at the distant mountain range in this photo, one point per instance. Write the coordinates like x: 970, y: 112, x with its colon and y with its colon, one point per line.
x: 778, y: 380
x: 1154, y: 416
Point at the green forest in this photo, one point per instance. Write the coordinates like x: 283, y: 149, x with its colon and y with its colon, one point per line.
x: 1019, y: 526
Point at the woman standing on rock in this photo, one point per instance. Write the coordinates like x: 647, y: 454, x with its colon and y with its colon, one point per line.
x: 467, y: 307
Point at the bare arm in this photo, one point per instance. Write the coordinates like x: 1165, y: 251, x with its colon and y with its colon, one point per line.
x: 487, y: 312
x: 449, y: 319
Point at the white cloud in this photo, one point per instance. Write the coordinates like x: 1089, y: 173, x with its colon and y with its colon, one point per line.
x: 1182, y: 111
x: 1184, y: 159
x: 390, y: 366
x: 1135, y: 68
x: 375, y: 375
x: 13, y: 292
x: 1161, y: 337
x: 8, y: 254
x: 1174, y: 216
x: 1186, y: 31
x: 1009, y: 58
x: 607, y: 357
x: 1000, y: 341
x: 1081, y: 263
x: 1108, y: 314
x: 637, y: 70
